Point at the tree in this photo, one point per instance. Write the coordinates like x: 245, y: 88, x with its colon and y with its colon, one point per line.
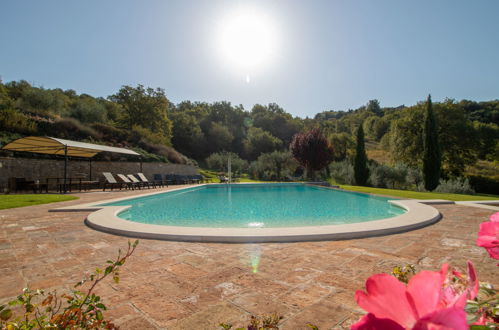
x: 361, y: 171
x: 219, y: 162
x: 145, y: 107
x: 312, y: 150
x: 260, y: 141
x: 277, y: 165
x: 431, y: 151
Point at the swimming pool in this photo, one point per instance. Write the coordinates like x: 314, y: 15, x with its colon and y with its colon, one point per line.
x: 256, y: 206
x: 293, y: 212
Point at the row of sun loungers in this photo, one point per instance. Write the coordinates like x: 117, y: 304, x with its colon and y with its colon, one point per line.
x: 140, y: 181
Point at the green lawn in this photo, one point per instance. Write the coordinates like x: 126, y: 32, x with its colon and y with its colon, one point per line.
x: 12, y: 201
x: 419, y: 195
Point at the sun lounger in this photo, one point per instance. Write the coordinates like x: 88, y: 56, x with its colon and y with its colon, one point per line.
x: 137, y: 182
x: 144, y: 180
x: 127, y: 182
x: 110, y: 181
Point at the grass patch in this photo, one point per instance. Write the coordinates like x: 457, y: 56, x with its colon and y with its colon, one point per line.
x: 419, y: 195
x: 13, y: 201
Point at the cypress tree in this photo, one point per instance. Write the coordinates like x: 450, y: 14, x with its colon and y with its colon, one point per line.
x: 431, y: 153
x: 361, y: 170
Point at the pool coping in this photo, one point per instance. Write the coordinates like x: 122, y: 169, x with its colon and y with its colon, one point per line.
x: 104, y: 218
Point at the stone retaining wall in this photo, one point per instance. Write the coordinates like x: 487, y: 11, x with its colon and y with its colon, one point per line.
x: 32, y: 169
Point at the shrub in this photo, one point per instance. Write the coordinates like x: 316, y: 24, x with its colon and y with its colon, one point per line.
x: 383, y: 176
x: 276, y: 166
x: 484, y: 185
x: 219, y: 162
x: 72, y: 129
x: 16, y: 122
x: 455, y: 186
x: 342, y: 172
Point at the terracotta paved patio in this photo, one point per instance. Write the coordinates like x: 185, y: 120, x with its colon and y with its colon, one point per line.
x: 175, y: 285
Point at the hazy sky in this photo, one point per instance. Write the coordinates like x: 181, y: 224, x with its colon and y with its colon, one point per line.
x: 323, y: 55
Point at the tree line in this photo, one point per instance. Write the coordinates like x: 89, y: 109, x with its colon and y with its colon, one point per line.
x: 145, y: 119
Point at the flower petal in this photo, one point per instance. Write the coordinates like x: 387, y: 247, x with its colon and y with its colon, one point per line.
x: 424, y: 289
x: 370, y: 322
x: 448, y: 318
x: 473, y: 282
x: 494, y: 217
x: 386, y: 299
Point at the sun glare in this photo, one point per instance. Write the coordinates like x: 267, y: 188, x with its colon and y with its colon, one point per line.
x: 246, y: 40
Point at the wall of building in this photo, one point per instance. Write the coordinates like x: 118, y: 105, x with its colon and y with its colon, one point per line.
x: 33, y: 169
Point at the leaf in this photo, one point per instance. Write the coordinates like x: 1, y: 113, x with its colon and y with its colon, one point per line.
x: 116, y: 279
x: 5, y: 314
x: 314, y: 327
x: 99, y: 315
x: 101, y: 305
x: 479, y: 327
x: 109, y: 269
x: 29, y: 308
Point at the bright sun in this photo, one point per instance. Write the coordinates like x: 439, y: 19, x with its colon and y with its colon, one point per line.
x: 246, y: 40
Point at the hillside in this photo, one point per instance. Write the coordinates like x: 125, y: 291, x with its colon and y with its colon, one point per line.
x: 145, y: 120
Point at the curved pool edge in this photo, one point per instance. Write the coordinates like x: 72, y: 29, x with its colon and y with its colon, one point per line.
x: 418, y: 215
x: 105, y: 219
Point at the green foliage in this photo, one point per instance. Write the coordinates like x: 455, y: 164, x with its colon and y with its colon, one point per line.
x: 431, y: 150
x: 219, y: 162
x: 260, y: 141
x: 145, y: 107
x: 188, y: 138
x: 418, y: 194
x: 342, y: 172
x: 12, y: 120
x: 77, y: 310
x: 486, y: 306
x: 361, y: 170
x: 484, y: 185
x: 274, y: 166
x: 455, y: 186
x: 87, y: 109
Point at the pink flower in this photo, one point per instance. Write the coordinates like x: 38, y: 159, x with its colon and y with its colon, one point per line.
x: 419, y: 305
x: 456, y: 289
x: 488, y: 236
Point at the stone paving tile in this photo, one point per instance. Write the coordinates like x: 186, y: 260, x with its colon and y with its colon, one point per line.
x: 181, y: 285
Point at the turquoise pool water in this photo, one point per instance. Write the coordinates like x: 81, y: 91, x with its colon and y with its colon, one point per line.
x: 257, y: 205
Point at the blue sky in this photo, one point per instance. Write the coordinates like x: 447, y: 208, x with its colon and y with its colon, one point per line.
x: 327, y: 55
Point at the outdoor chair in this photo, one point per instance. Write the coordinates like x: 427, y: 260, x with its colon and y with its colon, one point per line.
x: 137, y: 181
x: 195, y: 178
x: 171, y: 178
x: 181, y: 179
x: 223, y: 179
x: 145, y: 181
x: 158, y: 180
x: 127, y: 182
x: 110, y: 181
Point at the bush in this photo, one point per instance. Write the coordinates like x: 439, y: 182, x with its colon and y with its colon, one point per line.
x: 383, y: 176
x: 484, y: 185
x: 342, y: 172
x: 16, y: 122
x: 72, y: 129
x: 219, y: 161
x: 455, y: 186
x: 275, y: 166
